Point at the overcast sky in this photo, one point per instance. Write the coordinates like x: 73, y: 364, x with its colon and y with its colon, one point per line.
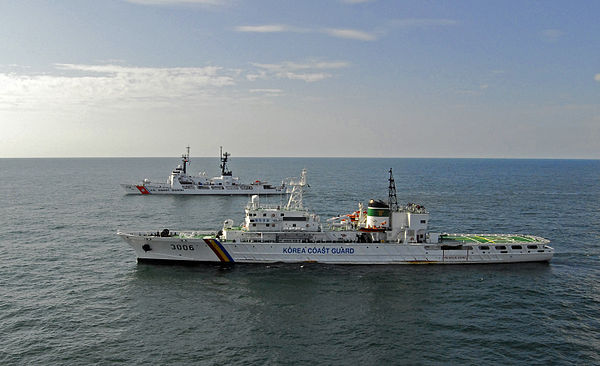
x: 300, y: 78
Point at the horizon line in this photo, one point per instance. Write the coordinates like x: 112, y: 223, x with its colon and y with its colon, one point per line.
x: 310, y: 157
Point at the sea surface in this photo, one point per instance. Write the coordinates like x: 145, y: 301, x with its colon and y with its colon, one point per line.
x: 72, y: 293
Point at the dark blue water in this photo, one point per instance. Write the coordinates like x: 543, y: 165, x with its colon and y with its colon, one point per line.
x: 72, y: 293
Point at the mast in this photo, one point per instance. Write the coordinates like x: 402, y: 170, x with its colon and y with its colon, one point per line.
x: 223, y: 165
x: 295, y: 201
x: 392, y: 199
x: 185, y: 158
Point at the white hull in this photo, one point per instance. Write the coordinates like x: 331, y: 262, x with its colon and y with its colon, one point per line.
x: 180, y: 182
x: 383, y: 234
x: 243, y: 190
x: 194, y: 247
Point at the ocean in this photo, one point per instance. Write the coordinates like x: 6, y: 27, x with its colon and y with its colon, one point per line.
x: 71, y: 292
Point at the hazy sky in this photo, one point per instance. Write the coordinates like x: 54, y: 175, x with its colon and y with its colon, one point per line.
x: 300, y: 78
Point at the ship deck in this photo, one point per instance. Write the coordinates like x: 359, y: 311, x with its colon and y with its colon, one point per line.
x: 444, y: 238
x: 489, y: 238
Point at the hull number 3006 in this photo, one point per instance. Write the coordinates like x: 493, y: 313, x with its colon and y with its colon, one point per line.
x: 182, y: 247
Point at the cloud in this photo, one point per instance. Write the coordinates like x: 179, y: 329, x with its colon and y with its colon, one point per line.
x: 307, y: 77
x: 117, y: 86
x: 551, y: 35
x: 268, y: 92
x: 308, y: 71
x: 304, y: 66
x: 333, y: 32
x: 269, y: 28
x: 597, y: 77
x: 329, y: 65
x: 261, y: 74
x: 110, y: 85
x: 350, y: 34
x: 177, y: 76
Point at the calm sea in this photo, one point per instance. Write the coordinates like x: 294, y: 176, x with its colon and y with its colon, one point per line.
x: 72, y: 293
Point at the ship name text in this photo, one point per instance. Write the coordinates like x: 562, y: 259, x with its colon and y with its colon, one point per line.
x: 317, y: 250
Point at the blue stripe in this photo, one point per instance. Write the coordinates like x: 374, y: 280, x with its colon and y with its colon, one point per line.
x: 224, y: 250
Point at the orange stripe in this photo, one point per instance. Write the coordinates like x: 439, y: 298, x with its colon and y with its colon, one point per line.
x: 219, y: 252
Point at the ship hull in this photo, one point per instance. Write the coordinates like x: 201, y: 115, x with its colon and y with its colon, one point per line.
x: 198, y: 248
x: 146, y: 189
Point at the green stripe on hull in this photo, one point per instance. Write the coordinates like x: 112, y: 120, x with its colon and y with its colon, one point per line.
x: 378, y: 212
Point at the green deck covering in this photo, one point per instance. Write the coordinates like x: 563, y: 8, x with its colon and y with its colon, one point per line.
x: 491, y: 239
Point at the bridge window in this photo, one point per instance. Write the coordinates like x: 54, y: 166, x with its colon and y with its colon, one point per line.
x: 500, y: 247
x: 484, y: 247
x: 288, y: 218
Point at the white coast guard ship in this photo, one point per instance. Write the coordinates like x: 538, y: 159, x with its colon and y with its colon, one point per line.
x: 179, y: 182
x: 383, y: 234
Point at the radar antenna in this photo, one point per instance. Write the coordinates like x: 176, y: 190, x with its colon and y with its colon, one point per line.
x: 185, y: 158
x: 392, y: 199
x: 224, y: 157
